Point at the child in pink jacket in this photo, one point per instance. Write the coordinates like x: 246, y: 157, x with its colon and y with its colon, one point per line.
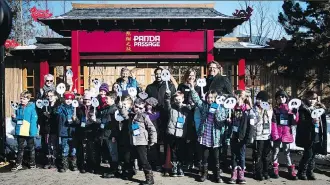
x: 281, y: 132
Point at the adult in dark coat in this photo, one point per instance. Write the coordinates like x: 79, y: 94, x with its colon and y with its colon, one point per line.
x: 193, y: 151
x: 215, y: 81
x: 157, y: 90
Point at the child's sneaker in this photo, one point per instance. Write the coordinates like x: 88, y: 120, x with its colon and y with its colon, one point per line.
x: 17, y: 167
x: 32, y: 167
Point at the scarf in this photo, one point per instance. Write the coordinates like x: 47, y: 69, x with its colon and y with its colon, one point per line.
x: 46, y: 89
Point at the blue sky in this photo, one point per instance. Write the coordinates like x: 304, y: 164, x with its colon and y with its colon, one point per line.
x: 225, y: 7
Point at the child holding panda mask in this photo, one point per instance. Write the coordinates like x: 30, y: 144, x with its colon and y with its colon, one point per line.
x: 211, y: 131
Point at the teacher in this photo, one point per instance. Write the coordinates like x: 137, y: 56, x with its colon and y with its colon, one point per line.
x: 216, y: 81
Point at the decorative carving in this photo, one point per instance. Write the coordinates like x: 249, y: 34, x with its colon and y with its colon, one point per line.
x: 244, y: 13
x: 36, y: 14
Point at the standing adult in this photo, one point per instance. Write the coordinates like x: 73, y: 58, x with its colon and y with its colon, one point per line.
x: 216, y: 81
x: 192, y: 147
x: 126, y: 81
x: 157, y: 90
x: 48, y: 86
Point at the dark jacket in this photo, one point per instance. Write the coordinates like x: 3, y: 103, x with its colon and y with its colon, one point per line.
x: 49, y: 125
x: 106, y: 114
x: 241, y: 119
x: 306, y: 131
x: 66, y: 128
x: 90, y: 125
x: 184, y: 88
x: 219, y: 83
x: 157, y: 90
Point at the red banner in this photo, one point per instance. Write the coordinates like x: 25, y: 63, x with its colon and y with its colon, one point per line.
x: 146, y: 41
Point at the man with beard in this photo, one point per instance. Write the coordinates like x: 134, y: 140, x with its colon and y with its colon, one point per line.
x: 157, y: 90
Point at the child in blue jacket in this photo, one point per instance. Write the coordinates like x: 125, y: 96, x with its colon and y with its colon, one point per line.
x: 67, y: 126
x: 26, y: 129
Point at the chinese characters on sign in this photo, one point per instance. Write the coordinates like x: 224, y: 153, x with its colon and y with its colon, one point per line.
x: 128, y: 41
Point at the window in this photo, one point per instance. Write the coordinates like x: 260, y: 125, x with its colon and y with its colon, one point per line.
x: 29, y: 80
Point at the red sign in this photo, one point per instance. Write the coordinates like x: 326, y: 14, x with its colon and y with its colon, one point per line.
x: 146, y: 41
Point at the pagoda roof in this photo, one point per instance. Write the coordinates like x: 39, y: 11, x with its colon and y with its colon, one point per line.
x: 142, y: 16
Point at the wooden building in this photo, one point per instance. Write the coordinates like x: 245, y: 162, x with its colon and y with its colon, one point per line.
x: 98, y: 40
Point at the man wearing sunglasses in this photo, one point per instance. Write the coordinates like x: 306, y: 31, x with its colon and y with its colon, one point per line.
x: 48, y: 86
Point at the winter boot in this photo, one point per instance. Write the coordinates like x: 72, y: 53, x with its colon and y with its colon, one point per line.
x: 180, y: 171
x: 292, y: 172
x: 204, y: 172
x: 217, y: 173
x: 64, y: 165
x: 240, y: 177
x: 112, y: 171
x: 47, y: 164
x: 233, y: 178
x: 149, y: 177
x: 128, y: 171
x: 32, y: 164
x: 310, y: 170
x: 258, y: 176
x: 275, y: 170
x: 302, y: 171
x: 266, y: 175
x: 174, y: 169
x: 53, y: 163
x: 74, y: 163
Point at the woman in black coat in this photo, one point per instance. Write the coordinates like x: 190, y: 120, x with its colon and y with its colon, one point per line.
x: 311, y: 135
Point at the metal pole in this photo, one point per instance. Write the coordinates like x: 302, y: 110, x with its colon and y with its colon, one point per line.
x: 2, y: 102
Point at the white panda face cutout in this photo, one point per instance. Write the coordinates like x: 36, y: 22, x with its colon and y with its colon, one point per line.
x: 75, y: 103
x: 60, y: 89
x: 45, y: 103
x: 120, y: 93
x: 220, y: 100
x: 132, y: 91
x: 97, y: 83
x: 294, y: 104
x: 116, y: 88
x: 118, y: 117
x: 14, y: 105
x: 166, y: 75
x: 265, y: 105
x: 95, y: 102
x: 143, y: 95
x: 201, y: 82
x: 230, y: 103
x: 39, y: 104
x: 69, y: 73
x: 317, y: 113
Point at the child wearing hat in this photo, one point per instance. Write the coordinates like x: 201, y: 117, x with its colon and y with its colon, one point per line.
x: 260, y: 120
x: 281, y: 132
x: 67, y: 126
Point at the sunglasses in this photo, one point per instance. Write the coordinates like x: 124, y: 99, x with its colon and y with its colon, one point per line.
x: 49, y: 80
x: 141, y: 108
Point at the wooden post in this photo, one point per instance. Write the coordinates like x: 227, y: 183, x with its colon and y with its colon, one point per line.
x: 75, y: 60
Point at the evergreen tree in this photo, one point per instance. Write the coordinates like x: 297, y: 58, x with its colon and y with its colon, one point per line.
x: 308, y: 47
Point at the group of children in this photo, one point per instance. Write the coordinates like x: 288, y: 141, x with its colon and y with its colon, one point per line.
x: 80, y: 138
